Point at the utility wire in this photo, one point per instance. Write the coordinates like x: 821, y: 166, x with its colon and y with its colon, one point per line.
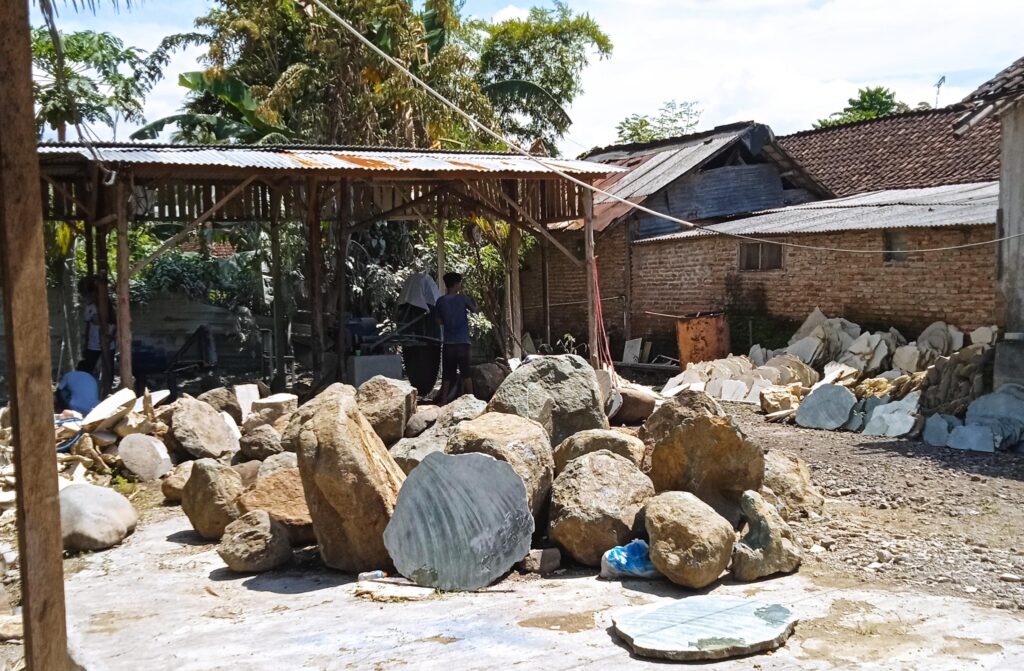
x: 561, y: 173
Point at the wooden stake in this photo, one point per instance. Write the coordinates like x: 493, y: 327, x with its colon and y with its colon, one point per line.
x: 280, y: 380
x: 344, y: 197
x: 516, y: 302
x: 27, y: 330
x: 439, y: 229
x: 124, y: 310
x: 545, y: 289
x: 315, y: 275
x: 587, y: 198
x: 103, y: 310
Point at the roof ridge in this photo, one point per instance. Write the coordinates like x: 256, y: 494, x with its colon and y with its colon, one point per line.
x: 668, y: 141
x: 948, y: 109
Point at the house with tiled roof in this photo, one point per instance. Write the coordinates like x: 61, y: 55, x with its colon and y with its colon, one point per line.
x: 886, y: 222
x: 1001, y: 99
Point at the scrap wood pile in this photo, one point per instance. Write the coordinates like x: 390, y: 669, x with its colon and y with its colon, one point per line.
x: 834, y: 376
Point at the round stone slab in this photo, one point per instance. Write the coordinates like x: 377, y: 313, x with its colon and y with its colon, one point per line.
x: 460, y: 522
x: 704, y: 627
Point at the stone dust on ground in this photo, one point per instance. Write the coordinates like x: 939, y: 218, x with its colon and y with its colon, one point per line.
x: 902, y: 513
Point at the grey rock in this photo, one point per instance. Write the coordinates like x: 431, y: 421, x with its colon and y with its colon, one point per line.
x: 275, y: 405
x: 567, y: 381
x: 544, y: 561
x: 260, y: 442
x: 255, y: 543
x: 423, y: 419
x: 388, y: 405
x: 517, y: 440
x: 209, y: 497
x: 595, y: 505
x: 223, y: 400
x: 408, y: 452
x: 248, y: 471
x: 277, y: 462
x: 704, y: 627
x: 460, y: 523
x: 938, y: 427
x: 487, y: 377
x: 94, y: 518
x: 586, y: 442
x: 827, y: 407
x: 1002, y: 411
x: 856, y: 421
x: 690, y: 544
x: 972, y: 437
x: 769, y: 546
x: 201, y: 431
x: 145, y: 456
x: 893, y: 419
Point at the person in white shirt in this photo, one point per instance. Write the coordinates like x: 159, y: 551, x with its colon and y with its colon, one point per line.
x: 92, y: 345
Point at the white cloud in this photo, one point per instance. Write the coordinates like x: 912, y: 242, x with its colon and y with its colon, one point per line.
x: 510, y: 12
x: 785, y: 63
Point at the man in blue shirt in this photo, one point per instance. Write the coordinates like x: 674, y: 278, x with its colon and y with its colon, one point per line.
x: 452, y: 312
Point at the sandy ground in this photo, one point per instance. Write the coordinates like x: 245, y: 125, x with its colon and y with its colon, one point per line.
x: 921, y: 545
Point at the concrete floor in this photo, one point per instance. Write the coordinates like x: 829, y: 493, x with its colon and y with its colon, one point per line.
x: 163, y: 600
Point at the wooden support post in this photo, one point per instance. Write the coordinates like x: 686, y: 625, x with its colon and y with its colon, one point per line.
x: 280, y: 380
x: 516, y: 299
x: 344, y: 197
x: 27, y: 330
x: 627, y: 282
x: 124, y: 310
x: 103, y: 311
x: 441, y: 270
x: 545, y: 289
x: 587, y: 201
x: 315, y: 233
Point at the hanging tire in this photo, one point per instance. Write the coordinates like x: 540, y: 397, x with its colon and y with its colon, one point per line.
x: 422, y: 364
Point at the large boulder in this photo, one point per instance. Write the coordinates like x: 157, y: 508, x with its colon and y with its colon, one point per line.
x: 210, y: 497
x: 790, y: 480
x: 223, y: 400
x: 145, y: 456
x: 388, y: 404
x: 487, y: 377
x: 174, y: 484
x: 586, y: 442
x: 695, y: 447
x: 769, y: 546
x: 409, y: 452
x: 520, y: 442
x: 260, y: 442
x: 828, y: 406
x: 690, y: 544
x: 278, y: 490
x: 255, y: 543
x: 596, y: 503
x: 94, y: 518
x: 567, y: 381
x: 351, y: 481
x: 201, y: 431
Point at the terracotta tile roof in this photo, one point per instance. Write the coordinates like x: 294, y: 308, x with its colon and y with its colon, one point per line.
x: 217, y: 250
x: 992, y: 97
x: 903, y: 151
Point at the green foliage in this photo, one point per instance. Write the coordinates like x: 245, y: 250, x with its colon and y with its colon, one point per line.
x: 870, y: 103
x: 101, y: 80
x: 673, y: 119
x: 549, y: 49
x: 229, y: 283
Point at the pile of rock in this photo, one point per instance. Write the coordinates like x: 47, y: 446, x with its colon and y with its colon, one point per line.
x: 993, y: 421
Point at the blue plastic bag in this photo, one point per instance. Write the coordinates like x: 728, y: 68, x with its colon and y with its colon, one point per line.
x: 628, y: 561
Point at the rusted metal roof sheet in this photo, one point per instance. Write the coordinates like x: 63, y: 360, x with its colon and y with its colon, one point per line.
x: 953, y: 205
x: 322, y: 158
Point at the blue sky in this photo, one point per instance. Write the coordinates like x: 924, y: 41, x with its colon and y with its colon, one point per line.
x: 781, y: 62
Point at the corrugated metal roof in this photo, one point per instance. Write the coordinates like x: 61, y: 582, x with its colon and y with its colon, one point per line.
x: 953, y: 205
x: 322, y: 158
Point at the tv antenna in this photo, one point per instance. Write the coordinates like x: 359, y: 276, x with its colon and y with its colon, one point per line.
x: 938, y: 87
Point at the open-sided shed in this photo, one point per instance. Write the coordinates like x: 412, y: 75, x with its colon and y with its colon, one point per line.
x: 103, y: 187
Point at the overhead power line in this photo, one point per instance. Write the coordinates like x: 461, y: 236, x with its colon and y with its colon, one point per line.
x: 477, y: 125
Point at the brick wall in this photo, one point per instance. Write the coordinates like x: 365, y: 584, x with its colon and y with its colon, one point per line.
x: 678, y: 277
x: 567, y: 285
x: 684, y: 276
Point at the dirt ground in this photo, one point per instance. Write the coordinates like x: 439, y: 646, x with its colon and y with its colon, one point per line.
x: 918, y: 556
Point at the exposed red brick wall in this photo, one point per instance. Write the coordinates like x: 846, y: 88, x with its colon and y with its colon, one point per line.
x: 568, y: 287
x: 684, y: 276
x: 688, y: 275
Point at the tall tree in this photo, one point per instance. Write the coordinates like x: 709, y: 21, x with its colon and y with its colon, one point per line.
x: 532, y: 69
x: 870, y: 103
x: 99, y: 80
x: 673, y: 119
